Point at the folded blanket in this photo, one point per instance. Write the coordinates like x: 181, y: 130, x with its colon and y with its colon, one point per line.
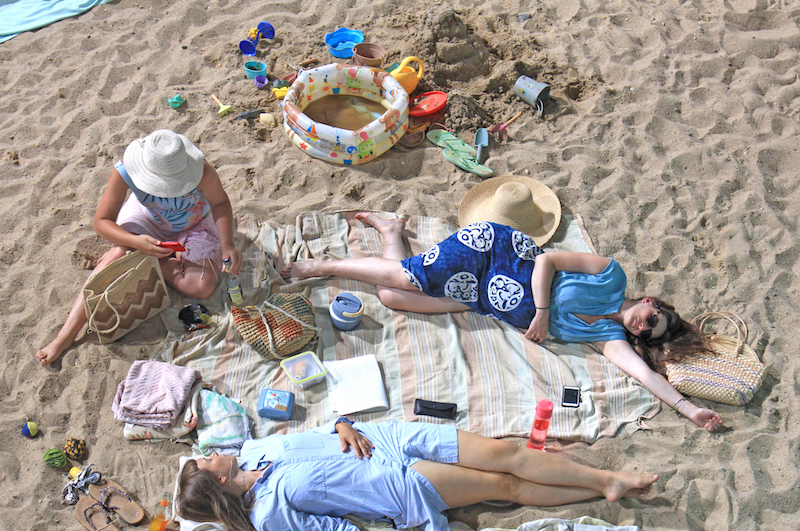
x: 154, y: 394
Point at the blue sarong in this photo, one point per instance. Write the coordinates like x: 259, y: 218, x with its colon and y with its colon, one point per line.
x: 486, y: 266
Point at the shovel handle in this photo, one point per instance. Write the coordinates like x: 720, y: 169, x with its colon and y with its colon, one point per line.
x: 213, y: 97
x: 511, y: 121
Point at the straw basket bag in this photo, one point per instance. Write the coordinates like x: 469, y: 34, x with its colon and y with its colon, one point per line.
x: 123, y: 295
x: 283, y: 325
x: 732, y: 376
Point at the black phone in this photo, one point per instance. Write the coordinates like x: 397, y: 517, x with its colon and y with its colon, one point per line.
x: 571, y: 396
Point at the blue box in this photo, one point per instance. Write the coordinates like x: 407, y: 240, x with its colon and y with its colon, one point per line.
x: 275, y: 404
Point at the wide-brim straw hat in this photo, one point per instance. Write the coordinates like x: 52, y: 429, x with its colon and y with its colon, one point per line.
x: 164, y: 164
x: 520, y: 202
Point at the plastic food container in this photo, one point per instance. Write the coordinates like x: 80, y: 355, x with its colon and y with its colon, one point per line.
x: 304, y: 370
x: 275, y: 404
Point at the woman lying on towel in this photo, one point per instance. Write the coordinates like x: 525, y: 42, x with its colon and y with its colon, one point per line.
x: 404, y: 472
x: 176, y: 195
x: 489, y: 268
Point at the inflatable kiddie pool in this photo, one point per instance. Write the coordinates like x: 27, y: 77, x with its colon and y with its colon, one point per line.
x: 334, y: 144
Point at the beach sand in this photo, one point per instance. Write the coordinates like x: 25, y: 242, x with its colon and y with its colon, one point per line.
x: 673, y: 131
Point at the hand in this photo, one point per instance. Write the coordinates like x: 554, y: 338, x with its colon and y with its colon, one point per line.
x: 349, y: 436
x: 537, y: 331
x: 706, y: 418
x: 149, y: 245
x: 236, y: 259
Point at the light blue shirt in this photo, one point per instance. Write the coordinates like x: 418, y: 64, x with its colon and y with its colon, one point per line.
x: 585, y: 294
x: 311, y: 484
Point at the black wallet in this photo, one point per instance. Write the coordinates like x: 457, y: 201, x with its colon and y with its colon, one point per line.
x: 443, y: 410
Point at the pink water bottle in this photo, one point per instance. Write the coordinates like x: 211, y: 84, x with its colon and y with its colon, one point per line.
x: 544, y: 410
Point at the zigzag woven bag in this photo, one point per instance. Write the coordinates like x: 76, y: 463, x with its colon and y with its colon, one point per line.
x: 732, y: 376
x: 123, y: 295
x: 283, y: 325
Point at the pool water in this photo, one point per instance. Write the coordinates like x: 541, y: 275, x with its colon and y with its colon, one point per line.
x: 343, y: 111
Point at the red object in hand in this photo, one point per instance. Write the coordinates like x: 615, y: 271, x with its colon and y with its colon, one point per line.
x: 175, y: 246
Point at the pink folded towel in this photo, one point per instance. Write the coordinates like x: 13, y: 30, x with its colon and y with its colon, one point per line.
x: 153, y: 394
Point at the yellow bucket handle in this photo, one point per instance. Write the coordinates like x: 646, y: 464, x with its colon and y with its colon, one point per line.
x: 407, y: 60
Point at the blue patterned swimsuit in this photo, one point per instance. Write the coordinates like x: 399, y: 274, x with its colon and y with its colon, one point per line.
x: 486, y: 266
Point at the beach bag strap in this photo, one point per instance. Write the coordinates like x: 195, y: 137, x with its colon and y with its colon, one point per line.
x: 272, y: 345
x: 741, y: 333
x: 104, y: 296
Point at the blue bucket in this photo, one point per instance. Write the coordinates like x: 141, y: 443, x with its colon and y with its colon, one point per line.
x: 346, y: 310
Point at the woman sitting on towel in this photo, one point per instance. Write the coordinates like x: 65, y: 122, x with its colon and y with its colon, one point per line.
x: 412, y: 472
x: 176, y: 196
x: 488, y: 267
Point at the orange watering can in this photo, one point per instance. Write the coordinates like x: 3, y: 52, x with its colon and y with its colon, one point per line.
x: 406, y: 75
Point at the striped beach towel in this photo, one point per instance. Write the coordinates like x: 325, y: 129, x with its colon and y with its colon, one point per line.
x: 485, y: 366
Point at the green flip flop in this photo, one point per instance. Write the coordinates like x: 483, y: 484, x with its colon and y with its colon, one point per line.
x: 467, y: 163
x: 451, y: 141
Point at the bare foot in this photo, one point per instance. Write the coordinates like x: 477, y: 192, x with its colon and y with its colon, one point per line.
x: 384, y: 226
x: 625, y: 485
x: 304, y: 269
x: 52, y: 351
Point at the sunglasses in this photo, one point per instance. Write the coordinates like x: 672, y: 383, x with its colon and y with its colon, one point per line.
x: 652, y: 322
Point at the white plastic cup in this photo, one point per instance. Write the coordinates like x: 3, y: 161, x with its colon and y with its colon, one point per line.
x: 532, y: 92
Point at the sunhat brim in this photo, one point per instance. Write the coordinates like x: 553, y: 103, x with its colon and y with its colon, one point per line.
x: 476, y: 206
x: 164, y: 185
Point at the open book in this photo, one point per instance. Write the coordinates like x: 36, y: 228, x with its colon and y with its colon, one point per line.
x: 355, y: 385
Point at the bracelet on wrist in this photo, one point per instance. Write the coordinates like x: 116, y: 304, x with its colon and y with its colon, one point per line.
x: 542, y: 308
x: 678, y: 403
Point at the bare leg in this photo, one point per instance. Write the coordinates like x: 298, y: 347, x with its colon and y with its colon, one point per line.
x: 76, y: 318
x: 492, y: 455
x: 392, y: 232
x: 460, y: 487
x: 196, y: 281
x: 394, y: 289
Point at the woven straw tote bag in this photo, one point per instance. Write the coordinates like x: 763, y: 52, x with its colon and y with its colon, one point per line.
x: 732, y: 376
x: 123, y: 295
x: 283, y: 325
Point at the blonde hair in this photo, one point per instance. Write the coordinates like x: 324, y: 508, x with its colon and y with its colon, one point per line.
x: 202, y: 498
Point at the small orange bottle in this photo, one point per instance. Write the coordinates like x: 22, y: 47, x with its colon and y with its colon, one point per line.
x: 161, y: 514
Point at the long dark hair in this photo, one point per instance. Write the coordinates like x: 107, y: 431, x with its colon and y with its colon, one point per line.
x: 203, y: 499
x: 680, y: 339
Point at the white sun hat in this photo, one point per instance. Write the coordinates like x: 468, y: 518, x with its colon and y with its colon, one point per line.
x: 520, y: 202
x: 164, y: 164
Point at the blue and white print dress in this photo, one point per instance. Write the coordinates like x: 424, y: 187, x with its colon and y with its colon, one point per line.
x: 486, y: 266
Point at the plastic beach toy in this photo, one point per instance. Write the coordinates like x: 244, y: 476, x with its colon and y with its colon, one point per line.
x: 428, y: 103
x: 248, y: 46
x: 261, y: 81
x: 334, y: 144
x: 255, y: 68
x: 340, y: 42
x: 406, y: 75
x: 176, y: 101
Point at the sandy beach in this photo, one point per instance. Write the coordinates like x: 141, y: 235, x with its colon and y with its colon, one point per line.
x: 672, y: 130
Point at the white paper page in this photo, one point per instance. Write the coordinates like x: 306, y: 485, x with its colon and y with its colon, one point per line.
x: 355, y: 385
